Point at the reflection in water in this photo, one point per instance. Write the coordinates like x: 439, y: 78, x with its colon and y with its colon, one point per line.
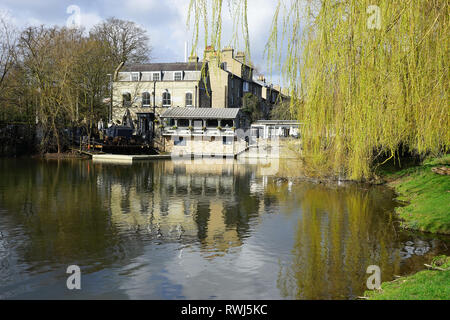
x: 215, y: 229
x: 339, y: 234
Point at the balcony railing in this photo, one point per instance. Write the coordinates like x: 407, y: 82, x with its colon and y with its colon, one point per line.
x: 198, y: 131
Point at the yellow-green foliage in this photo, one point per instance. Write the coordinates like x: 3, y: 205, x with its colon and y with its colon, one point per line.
x: 364, y: 90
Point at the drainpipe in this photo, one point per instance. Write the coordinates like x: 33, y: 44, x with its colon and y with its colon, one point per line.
x: 154, y: 109
x: 196, y: 88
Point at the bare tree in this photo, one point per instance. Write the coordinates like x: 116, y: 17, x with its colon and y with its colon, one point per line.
x: 126, y: 41
x: 8, y: 39
x: 91, y: 71
x: 49, y: 57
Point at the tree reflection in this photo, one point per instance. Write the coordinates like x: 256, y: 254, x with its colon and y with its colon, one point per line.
x: 341, y: 231
x: 59, y: 206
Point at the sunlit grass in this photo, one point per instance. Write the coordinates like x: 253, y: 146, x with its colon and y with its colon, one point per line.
x: 427, y: 195
x: 424, y: 285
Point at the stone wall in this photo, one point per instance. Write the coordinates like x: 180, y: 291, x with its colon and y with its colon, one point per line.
x: 203, y: 145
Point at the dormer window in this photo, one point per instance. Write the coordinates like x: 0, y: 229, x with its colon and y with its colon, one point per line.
x: 178, y: 76
x: 135, y: 76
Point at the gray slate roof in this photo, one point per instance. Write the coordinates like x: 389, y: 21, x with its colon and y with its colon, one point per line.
x: 201, y: 113
x: 172, y: 66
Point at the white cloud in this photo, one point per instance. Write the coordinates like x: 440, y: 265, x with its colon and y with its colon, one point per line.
x: 165, y: 22
x: 88, y: 20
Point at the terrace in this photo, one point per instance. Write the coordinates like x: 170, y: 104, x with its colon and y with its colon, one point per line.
x: 200, y: 122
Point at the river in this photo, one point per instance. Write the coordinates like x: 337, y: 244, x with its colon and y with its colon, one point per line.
x: 187, y: 230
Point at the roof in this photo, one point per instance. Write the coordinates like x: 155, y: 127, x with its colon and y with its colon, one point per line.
x: 276, y: 122
x: 201, y: 113
x: 172, y: 66
x: 261, y: 83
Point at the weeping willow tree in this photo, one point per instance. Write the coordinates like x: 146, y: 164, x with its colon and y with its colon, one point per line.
x: 367, y: 78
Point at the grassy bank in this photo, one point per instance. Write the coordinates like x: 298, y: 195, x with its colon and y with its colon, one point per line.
x: 426, y: 195
x: 424, y: 285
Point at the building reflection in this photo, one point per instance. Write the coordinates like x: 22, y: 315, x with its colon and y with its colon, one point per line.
x: 184, y: 201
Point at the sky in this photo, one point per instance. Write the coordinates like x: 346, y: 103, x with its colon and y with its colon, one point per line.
x: 164, y: 20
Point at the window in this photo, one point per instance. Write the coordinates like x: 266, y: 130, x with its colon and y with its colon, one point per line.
x: 179, y: 141
x: 146, y: 99
x: 245, y: 86
x: 212, y: 123
x: 126, y: 99
x: 135, y: 76
x: 178, y: 76
x: 227, y: 123
x: 227, y: 140
x: 183, y: 123
x: 197, y: 123
x: 166, y: 99
x: 156, y: 76
x: 224, y: 65
x: 188, y: 99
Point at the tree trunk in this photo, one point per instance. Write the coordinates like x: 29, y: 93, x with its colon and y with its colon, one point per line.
x: 56, y: 133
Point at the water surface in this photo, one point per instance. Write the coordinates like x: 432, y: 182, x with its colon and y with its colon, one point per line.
x: 182, y: 230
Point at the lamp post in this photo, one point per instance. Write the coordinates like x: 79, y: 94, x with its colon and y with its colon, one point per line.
x: 154, y: 108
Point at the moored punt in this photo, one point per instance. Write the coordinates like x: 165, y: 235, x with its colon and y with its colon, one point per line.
x: 122, y: 158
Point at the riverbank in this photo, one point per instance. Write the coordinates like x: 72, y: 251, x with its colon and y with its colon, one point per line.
x: 424, y: 285
x: 426, y: 195
x: 425, y: 190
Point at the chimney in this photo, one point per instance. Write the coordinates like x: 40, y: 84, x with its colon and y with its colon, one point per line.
x: 261, y: 78
x: 240, y: 56
x: 228, y: 52
x: 209, y: 51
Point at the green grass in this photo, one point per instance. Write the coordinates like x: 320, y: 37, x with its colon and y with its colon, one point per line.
x: 426, y: 194
x: 424, y: 285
